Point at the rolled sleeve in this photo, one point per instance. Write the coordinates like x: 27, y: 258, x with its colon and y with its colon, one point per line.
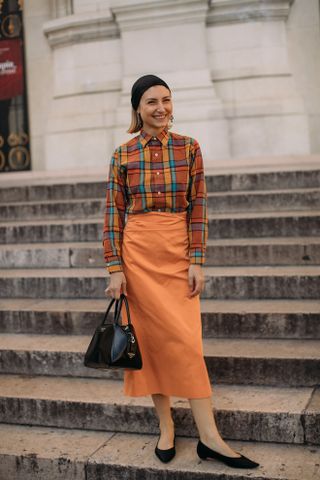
x: 114, y: 216
x: 197, y: 208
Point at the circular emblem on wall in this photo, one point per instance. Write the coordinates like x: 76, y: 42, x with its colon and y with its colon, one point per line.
x: 13, y: 139
x: 23, y: 138
x: 2, y: 161
x: 18, y: 158
x: 11, y: 26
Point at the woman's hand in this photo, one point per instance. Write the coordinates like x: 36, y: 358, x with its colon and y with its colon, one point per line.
x: 117, y: 281
x: 196, y: 280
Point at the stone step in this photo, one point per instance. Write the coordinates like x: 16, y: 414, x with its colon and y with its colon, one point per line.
x: 245, y: 201
x: 291, y: 319
x: 264, y: 282
x: 299, y: 199
x: 34, y: 453
x: 274, y: 362
x: 232, y: 225
x: 261, y: 180
x: 60, y: 189
x: 263, y: 224
x: 53, y: 209
x: 86, y: 187
x: 251, y: 251
x: 268, y: 414
x: 263, y: 251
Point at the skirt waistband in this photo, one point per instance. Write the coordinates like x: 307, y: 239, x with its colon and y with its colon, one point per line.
x: 156, y: 220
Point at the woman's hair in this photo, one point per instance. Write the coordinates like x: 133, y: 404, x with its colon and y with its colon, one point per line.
x: 137, y: 123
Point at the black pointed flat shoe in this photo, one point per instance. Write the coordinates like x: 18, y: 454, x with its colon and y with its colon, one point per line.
x: 166, y: 455
x: 205, y: 452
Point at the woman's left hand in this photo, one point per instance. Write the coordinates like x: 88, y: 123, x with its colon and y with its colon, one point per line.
x: 196, y: 280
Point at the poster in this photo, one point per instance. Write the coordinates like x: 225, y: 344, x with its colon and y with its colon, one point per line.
x: 11, y: 68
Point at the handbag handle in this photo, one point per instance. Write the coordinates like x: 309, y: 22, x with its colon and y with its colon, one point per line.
x: 117, y: 309
x: 119, y: 306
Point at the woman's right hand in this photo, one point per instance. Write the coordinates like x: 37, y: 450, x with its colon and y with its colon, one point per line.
x: 117, y: 280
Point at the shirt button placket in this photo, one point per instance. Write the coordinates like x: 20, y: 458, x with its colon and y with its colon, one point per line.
x: 156, y: 155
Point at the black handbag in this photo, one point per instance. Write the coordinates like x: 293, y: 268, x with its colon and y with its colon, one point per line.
x: 114, y: 345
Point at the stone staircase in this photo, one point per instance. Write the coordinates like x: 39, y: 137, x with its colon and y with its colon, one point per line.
x: 261, y: 328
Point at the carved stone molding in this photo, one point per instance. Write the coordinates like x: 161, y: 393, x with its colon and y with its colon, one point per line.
x: 232, y: 11
x: 80, y: 28
x: 140, y: 14
x: 61, y: 8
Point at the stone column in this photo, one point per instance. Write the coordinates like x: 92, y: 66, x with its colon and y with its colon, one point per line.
x: 251, y: 71
x: 86, y: 83
x: 39, y: 77
x: 303, y: 32
x: 168, y: 38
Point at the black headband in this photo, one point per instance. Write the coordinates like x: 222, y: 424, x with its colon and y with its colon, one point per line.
x: 141, y: 85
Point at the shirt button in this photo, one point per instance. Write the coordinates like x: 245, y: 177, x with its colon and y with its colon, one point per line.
x: 159, y: 193
x: 155, y: 154
x: 158, y: 173
x: 154, y: 138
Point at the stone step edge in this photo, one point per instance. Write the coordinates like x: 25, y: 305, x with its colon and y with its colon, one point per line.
x: 232, y: 193
x: 94, y: 390
x: 47, y: 449
x: 260, y: 319
x: 257, y: 215
x: 295, y: 411
x: 243, y: 166
x: 233, y: 348
x: 242, y: 307
x: 230, y: 242
x: 208, y: 271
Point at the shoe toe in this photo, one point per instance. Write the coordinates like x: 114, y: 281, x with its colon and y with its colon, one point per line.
x: 205, y: 452
x: 249, y: 463
x: 165, y: 455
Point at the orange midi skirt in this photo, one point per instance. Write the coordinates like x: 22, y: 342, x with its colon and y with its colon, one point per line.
x: 155, y: 255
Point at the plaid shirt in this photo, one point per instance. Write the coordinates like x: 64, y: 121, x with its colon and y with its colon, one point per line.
x: 164, y: 174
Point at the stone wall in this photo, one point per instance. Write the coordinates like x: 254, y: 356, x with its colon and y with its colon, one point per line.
x: 245, y: 75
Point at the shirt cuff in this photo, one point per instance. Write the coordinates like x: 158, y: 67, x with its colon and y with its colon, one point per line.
x: 197, y: 256
x: 114, y: 265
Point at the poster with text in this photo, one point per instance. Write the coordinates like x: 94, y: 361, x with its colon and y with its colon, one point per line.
x: 11, y: 69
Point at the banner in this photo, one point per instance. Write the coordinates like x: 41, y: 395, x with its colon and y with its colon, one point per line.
x: 11, y: 68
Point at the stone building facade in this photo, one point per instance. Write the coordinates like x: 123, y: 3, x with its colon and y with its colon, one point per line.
x: 245, y: 75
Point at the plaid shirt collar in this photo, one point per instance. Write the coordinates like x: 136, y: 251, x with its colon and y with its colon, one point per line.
x: 163, y: 137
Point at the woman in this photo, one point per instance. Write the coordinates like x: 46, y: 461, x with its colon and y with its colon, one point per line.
x: 155, y: 258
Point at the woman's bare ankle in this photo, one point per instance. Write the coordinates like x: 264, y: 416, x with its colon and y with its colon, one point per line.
x: 166, y: 425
